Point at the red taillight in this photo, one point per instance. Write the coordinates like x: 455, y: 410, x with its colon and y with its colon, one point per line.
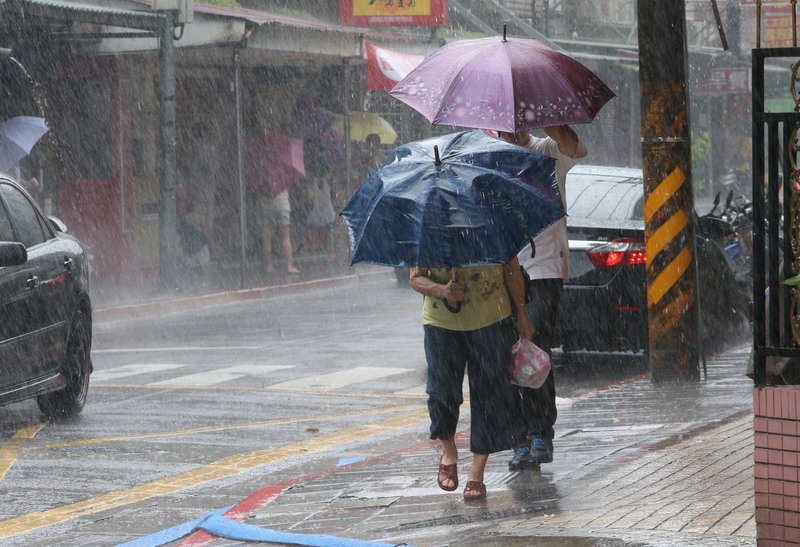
x: 619, y: 251
x: 60, y: 279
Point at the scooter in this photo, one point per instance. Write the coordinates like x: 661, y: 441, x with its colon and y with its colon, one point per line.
x: 724, y: 275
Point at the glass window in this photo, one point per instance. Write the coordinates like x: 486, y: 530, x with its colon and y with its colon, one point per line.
x: 30, y: 226
x: 6, y: 232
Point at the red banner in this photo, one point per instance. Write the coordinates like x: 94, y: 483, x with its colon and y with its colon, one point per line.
x: 386, y: 67
x: 365, y: 13
x: 726, y: 80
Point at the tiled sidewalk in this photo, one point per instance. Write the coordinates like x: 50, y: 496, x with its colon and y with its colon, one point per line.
x: 638, y: 463
x: 702, y: 485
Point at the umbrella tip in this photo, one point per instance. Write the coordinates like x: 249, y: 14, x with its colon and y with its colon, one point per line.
x: 437, y: 159
x: 504, y: 32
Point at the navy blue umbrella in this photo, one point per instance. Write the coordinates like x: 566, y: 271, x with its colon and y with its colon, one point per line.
x: 465, y: 199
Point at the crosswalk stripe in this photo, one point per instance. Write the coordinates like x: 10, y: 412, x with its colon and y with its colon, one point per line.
x: 217, y: 376
x: 131, y: 370
x: 421, y: 390
x: 336, y: 380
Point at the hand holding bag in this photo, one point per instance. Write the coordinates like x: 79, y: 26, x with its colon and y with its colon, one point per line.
x: 530, y: 364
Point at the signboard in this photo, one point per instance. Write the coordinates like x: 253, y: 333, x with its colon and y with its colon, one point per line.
x: 776, y: 24
x: 393, y: 12
x: 726, y: 80
x: 386, y: 67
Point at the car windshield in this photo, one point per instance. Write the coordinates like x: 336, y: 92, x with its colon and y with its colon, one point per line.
x: 599, y: 195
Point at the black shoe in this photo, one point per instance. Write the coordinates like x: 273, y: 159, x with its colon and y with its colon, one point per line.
x: 522, y: 459
x: 542, y: 451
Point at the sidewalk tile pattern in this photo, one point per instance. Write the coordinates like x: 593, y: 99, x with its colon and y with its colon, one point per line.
x: 638, y: 460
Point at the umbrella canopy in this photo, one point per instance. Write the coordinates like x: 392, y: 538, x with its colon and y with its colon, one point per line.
x: 317, y: 123
x: 363, y: 124
x: 17, y: 138
x: 507, y: 85
x: 273, y: 163
x: 466, y: 199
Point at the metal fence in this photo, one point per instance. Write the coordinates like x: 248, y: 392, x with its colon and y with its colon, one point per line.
x: 776, y: 221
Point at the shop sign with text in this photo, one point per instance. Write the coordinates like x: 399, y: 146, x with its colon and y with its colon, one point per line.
x: 393, y: 12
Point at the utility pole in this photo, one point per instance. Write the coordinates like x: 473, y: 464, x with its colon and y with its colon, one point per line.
x: 672, y: 303
x: 167, y: 231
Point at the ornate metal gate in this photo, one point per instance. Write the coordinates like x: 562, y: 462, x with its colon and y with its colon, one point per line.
x: 776, y: 219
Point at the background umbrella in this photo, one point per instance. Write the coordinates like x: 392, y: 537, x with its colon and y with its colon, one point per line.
x: 17, y: 138
x: 317, y: 123
x: 273, y: 163
x: 506, y: 85
x: 479, y: 204
x: 366, y: 123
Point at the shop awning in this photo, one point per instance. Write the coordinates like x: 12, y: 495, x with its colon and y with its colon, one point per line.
x: 85, y: 12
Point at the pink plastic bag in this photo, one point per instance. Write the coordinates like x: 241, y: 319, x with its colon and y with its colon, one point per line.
x: 530, y: 364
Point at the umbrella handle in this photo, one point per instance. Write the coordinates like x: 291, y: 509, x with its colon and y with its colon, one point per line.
x: 457, y: 307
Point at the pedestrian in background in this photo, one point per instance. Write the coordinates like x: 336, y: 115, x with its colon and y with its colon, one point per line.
x: 370, y: 161
x: 31, y: 184
x: 547, y: 264
x: 322, y: 215
x: 467, y: 319
x: 275, y: 215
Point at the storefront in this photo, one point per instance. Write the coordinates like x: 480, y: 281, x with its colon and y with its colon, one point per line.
x: 101, y: 90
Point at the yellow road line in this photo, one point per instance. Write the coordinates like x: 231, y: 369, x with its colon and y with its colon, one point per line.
x: 663, y: 192
x: 222, y: 427
x: 9, y: 451
x: 227, y: 467
x: 665, y: 234
x: 667, y: 278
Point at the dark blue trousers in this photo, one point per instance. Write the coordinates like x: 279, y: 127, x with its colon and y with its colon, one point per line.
x: 538, y: 406
x: 494, y: 410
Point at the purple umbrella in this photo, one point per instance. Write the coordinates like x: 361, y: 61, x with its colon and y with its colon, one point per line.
x: 506, y: 85
x: 317, y: 123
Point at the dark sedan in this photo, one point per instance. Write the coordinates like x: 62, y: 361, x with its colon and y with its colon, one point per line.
x: 604, y: 303
x: 46, y: 326
x: 604, y: 306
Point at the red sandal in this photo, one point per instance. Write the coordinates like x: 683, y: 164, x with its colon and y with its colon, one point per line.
x: 474, y: 490
x: 447, y: 472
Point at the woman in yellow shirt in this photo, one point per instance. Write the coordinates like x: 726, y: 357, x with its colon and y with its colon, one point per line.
x: 472, y: 317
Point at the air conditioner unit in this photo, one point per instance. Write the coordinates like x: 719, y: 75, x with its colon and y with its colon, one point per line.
x: 185, y: 9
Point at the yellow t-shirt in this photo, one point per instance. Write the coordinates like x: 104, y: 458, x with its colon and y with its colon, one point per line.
x: 486, y: 303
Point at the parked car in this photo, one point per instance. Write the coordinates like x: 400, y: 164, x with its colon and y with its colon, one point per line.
x: 604, y: 305
x: 46, y: 326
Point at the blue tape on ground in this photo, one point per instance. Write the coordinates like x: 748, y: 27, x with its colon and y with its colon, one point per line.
x: 174, y: 533
x: 229, y: 529
x: 348, y: 461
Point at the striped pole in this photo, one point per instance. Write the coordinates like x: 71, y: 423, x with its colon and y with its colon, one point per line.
x: 669, y: 230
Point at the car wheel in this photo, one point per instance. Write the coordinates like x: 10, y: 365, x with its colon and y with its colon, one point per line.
x: 76, y: 368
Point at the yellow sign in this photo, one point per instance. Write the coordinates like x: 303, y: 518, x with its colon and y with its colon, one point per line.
x: 377, y: 8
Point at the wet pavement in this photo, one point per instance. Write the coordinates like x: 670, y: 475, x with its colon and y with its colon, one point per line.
x: 636, y: 463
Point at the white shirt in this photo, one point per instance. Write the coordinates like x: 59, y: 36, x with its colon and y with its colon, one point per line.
x: 552, y: 246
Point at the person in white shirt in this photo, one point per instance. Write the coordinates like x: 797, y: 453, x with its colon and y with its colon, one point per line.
x: 547, y: 264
